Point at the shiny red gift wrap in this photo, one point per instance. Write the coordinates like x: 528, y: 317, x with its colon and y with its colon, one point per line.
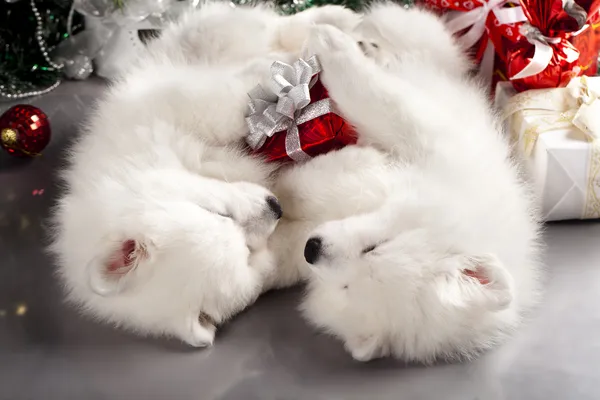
x: 587, y: 44
x: 317, y: 136
x: 563, y: 66
x: 575, y: 54
x: 503, y: 37
x: 442, y: 6
x: 499, y: 74
x: 492, y: 23
x: 571, y: 54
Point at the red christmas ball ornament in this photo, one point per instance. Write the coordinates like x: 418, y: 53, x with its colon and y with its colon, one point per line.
x: 24, y: 131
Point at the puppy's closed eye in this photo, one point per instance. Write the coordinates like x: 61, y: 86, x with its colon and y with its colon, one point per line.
x: 372, y: 247
x: 369, y: 249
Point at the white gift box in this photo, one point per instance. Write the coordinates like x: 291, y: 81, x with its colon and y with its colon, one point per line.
x: 555, y: 131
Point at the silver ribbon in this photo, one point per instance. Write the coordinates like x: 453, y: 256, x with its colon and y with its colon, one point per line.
x: 284, y: 105
x: 576, y: 12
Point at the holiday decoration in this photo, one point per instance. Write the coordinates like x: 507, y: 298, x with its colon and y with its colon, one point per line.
x: 293, y: 119
x: 78, y: 67
x: 487, y: 28
x: 557, y: 132
x: 505, y: 36
x: 29, y: 31
x: 294, y: 6
x: 587, y: 42
x: 24, y: 131
x: 544, y: 57
x: 472, y: 21
x: 43, y: 41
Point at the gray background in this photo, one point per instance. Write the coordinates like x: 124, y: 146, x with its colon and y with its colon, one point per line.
x: 268, y: 352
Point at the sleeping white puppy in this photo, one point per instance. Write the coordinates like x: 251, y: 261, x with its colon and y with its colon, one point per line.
x: 429, y: 248
x: 164, y: 222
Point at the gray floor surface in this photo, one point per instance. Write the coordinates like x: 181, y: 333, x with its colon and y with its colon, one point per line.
x: 48, y: 351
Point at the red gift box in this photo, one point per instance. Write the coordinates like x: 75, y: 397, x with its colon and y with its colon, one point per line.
x: 587, y: 42
x: 503, y: 36
x: 309, y: 128
x: 317, y: 136
x: 471, y: 20
x: 564, y: 35
x: 494, y: 22
x: 575, y: 52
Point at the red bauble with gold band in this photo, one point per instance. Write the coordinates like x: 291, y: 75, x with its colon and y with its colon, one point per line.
x: 24, y: 131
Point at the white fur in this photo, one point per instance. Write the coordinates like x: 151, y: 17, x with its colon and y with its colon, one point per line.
x: 400, y: 229
x: 164, y: 222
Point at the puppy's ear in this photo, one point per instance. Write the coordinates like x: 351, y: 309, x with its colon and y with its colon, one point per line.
x: 112, y: 274
x: 475, y: 282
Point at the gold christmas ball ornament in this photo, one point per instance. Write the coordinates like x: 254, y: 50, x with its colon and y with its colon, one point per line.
x: 9, y: 137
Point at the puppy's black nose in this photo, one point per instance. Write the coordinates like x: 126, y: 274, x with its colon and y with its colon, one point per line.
x: 312, y: 250
x: 274, y: 206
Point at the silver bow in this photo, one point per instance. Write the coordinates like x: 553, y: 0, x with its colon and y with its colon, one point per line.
x: 284, y: 105
x: 533, y: 34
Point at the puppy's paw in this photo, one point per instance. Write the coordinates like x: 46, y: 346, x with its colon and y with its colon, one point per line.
x: 294, y: 31
x: 199, y: 331
x: 364, y: 348
x: 341, y: 17
x: 328, y: 42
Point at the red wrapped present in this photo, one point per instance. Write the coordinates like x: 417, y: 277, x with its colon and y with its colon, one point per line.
x: 504, y: 36
x: 471, y: 21
x: 499, y: 74
x: 483, y: 27
x: 545, y: 55
x: 294, y: 119
x: 479, y: 22
x: 587, y: 44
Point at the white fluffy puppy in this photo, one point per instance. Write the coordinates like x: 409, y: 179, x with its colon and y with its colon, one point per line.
x: 163, y: 225
x: 436, y: 255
